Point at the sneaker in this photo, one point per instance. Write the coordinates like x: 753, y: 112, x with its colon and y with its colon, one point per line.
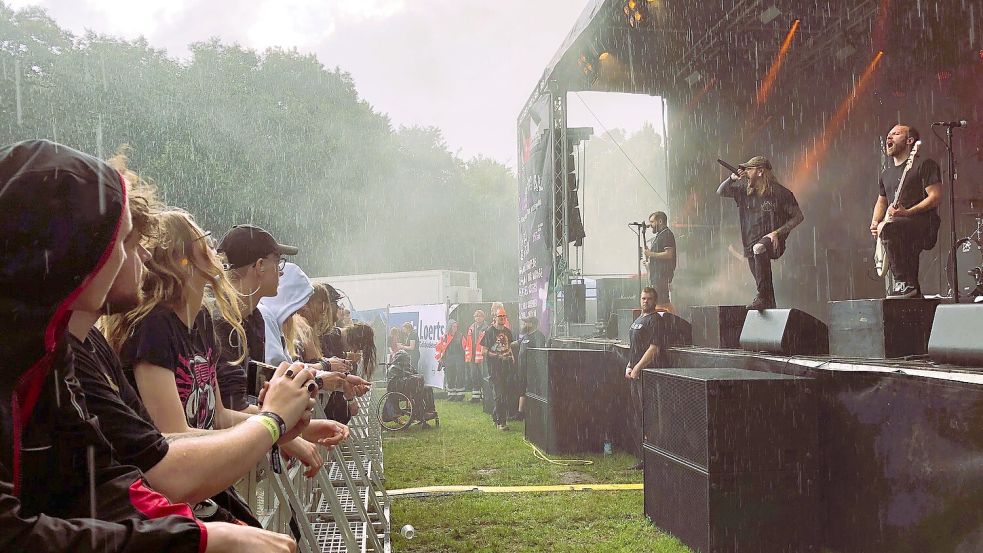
x: 638, y: 466
x: 903, y: 290
x: 503, y: 427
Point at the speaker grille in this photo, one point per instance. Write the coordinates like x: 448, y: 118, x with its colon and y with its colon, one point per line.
x: 677, y: 499
x: 675, y: 417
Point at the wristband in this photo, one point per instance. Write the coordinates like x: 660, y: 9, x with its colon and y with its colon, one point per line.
x: 277, y: 419
x: 271, y: 425
x: 325, y: 364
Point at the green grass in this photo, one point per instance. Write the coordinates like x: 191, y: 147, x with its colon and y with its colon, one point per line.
x: 467, y: 449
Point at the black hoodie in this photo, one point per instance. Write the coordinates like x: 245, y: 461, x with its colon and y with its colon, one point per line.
x: 60, y: 487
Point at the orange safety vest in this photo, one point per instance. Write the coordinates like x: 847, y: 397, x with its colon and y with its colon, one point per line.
x: 472, y: 348
x: 441, y: 346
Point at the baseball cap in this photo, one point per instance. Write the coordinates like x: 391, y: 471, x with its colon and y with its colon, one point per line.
x: 244, y: 244
x: 756, y: 161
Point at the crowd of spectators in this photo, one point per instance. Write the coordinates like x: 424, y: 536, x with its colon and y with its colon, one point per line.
x: 130, y: 341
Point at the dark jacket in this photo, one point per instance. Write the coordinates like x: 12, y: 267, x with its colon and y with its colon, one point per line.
x: 61, y: 214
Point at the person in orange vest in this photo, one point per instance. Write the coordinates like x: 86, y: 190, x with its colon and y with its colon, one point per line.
x: 474, y: 358
x: 450, y: 357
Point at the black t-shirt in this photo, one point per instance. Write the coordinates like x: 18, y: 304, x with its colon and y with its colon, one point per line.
x: 162, y: 339
x: 644, y: 332
x: 924, y: 172
x: 534, y: 339
x: 497, y: 341
x: 663, y: 240
x: 332, y: 343
x: 217, y: 334
x: 454, y: 351
x: 110, y: 396
x: 413, y: 336
x: 764, y: 214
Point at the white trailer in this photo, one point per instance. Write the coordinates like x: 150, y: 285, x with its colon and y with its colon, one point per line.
x: 376, y: 291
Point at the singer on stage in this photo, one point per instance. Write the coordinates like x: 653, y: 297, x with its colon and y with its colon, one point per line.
x: 913, y: 223
x: 768, y: 213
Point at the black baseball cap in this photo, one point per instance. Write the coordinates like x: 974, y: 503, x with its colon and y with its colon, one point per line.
x: 244, y: 244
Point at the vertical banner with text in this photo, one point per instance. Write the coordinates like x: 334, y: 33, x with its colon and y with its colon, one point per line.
x: 430, y: 322
x: 535, y: 188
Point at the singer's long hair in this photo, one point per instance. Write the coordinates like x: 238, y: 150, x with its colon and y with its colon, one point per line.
x: 768, y: 178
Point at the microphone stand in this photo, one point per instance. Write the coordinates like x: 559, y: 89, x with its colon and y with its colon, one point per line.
x: 640, y: 234
x: 953, y: 270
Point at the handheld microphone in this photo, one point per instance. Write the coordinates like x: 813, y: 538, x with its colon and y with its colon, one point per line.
x: 962, y: 123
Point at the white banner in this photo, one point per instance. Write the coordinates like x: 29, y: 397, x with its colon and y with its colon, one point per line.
x: 430, y: 323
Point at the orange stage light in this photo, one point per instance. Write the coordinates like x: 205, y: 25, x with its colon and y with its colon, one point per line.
x: 769, y: 81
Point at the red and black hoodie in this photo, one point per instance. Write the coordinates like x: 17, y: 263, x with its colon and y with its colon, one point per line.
x: 60, y: 487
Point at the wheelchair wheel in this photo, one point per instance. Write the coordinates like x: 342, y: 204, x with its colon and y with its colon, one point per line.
x: 395, y: 411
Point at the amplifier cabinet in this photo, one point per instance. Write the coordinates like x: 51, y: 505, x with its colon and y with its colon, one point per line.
x: 880, y: 328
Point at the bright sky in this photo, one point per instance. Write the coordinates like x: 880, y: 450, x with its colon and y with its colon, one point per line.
x: 464, y: 66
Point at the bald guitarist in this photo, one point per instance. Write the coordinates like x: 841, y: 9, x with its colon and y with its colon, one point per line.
x: 910, y: 223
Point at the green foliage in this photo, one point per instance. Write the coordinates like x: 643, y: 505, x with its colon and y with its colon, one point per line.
x: 269, y: 138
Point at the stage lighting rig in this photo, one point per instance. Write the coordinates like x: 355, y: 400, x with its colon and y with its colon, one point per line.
x: 636, y: 13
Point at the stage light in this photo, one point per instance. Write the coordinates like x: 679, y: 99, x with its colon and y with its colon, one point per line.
x: 635, y: 13
x: 586, y: 64
x: 604, y: 56
x: 769, y: 15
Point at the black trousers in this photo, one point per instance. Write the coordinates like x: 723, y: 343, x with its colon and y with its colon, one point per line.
x: 760, y: 265
x: 903, y: 238
x: 500, y: 377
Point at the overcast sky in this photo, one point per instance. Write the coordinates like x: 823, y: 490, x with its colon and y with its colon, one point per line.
x: 465, y: 66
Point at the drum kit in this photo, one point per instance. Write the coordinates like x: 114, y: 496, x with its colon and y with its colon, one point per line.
x: 969, y: 256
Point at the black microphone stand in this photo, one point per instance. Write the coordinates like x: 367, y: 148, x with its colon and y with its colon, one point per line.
x: 953, y: 270
x: 640, y: 234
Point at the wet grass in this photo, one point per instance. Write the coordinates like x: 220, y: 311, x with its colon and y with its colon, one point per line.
x: 468, y: 450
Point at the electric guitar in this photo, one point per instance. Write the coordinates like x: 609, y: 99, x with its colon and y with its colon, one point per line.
x: 881, y: 264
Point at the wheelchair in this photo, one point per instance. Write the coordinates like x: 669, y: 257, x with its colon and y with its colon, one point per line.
x: 407, y: 399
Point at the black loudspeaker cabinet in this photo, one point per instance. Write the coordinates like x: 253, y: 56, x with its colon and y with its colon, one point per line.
x: 957, y: 335
x: 731, y: 459
x: 566, y: 389
x: 678, y: 330
x: 753, y: 512
x: 785, y: 331
x: 718, y: 326
x: 575, y: 302
x: 731, y: 420
x: 625, y: 318
x: 615, y: 293
x: 880, y: 328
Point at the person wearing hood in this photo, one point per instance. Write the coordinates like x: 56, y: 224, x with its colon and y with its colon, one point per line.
x: 294, y: 291
x: 61, y: 487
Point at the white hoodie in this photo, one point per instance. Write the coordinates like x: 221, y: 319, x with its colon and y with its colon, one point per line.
x: 292, y: 293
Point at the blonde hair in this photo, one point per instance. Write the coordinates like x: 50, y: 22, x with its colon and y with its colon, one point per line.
x: 141, y: 194
x: 769, y: 180
x: 179, y: 252
x: 298, y: 331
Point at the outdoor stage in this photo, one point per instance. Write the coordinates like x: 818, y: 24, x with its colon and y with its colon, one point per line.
x: 900, y: 443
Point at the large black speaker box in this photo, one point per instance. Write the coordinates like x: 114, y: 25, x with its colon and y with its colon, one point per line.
x: 718, y: 326
x: 880, y: 328
x: 731, y: 458
x: 575, y: 302
x: 785, y: 331
x: 956, y: 335
x: 567, y: 392
x: 615, y: 293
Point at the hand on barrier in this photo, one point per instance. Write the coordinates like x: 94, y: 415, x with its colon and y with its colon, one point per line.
x: 305, y: 452
x: 232, y: 538
x: 287, y: 394
x: 326, y: 432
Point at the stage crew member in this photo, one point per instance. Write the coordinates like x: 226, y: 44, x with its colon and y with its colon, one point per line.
x: 646, y: 349
x: 660, y: 256
x: 768, y: 213
x: 913, y: 223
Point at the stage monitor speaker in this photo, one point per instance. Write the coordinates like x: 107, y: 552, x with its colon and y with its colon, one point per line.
x: 956, y: 335
x: 575, y: 302
x: 625, y: 318
x: 785, y: 331
x: 678, y: 330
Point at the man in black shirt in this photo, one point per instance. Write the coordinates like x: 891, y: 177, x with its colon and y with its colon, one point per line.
x: 768, y: 213
x: 497, y: 346
x: 412, y: 344
x: 645, y: 348
x: 660, y: 254
x: 910, y: 224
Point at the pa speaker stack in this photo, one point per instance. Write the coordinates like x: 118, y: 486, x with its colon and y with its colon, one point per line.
x: 731, y: 459
x: 956, y: 335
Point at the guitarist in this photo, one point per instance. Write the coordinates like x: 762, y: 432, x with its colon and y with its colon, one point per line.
x: 914, y: 218
x: 660, y: 255
x: 768, y: 212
